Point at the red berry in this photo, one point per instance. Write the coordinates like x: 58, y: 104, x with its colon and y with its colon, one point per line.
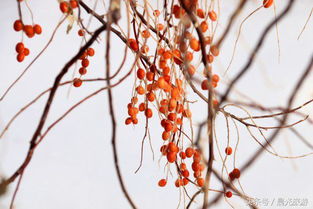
x: 81, y: 32
x: 26, y: 51
x: 189, y: 152
x: 18, y: 25
x: 73, y: 4
x: 228, y: 150
x: 162, y: 182
x: 90, y: 52
x: 82, y: 71
x: 20, y: 57
x: 77, y: 82
x: 37, y: 29
x: 85, y: 62
x: 29, y: 31
x: 236, y: 173
x: 19, y: 47
x: 229, y: 194
x: 64, y: 7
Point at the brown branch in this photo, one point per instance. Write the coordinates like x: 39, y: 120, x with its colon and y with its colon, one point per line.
x: 112, y: 115
x: 282, y: 122
x: 231, y: 22
x: 48, y: 104
x: 255, y: 50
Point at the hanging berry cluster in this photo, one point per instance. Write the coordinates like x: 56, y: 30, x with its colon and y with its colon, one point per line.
x: 163, y: 85
x: 30, y: 31
x: 77, y: 82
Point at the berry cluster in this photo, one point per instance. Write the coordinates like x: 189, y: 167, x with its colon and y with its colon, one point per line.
x: 30, y: 31
x: 67, y: 7
x: 77, y: 82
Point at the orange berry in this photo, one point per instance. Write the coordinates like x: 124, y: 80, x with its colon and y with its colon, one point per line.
x: 73, y: 4
x: 142, y: 107
x: 128, y: 121
x: 187, y: 113
x: 205, y: 84
x: 26, y: 51
x: 185, y: 173
x: 144, y: 49
x: 159, y: 27
x: 20, y: 57
x: 167, y: 54
x: 166, y: 70
x: 19, y: 48
x: 214, y: 50
x: 145, y: 34
x: 134, y: 100
x: 150, y: 96
x: 189, y: 56
x: 81, y: 32
x: 197, y: 174
x: 212, y: 15
x: 134, y: 120
x: 77, y: 82
x: 172, y: 147
x: 200, y: 13
x: 194, y: 44
x: 141, y: 73
x: 210, y: 58
x: 162, y: 83
x: 175, y: 93
x: 172, y: 104
x: 183, y: 166
x: 189, y: 152
x: 168, y: 126
x: 18, y: 25
x: 207, y: 40
x: 179, y: 121
x: 64, y: 7
x: 215, y: 78
x: 85, y: 62
x: 204, y: 26
x: 133, y: 44
x: 166, y: 135
x: 148, y: 113
x: 156, y: 13
x: 172, y: 116
x: 160, y: 51
x: 163, y: 149
x: 195, y: 166
x: 177, y: 57
x: 176, y: 11
x: 90, y: 52
x: 236, y: 173
x: 82, y: 71
x: 29, y: 31
x: 150, y: 76
x: 182, y: 155
x: 171, y: 157
x: 37, y: 29
x: 228, y: 150
x: 162, y: 183
x: 185, y: 181
x: 191, y: 70
x: 200, y: 182
x: 229, y: 194
x: 140, y: 90
x: 267, y: 3
x: 179, y: 183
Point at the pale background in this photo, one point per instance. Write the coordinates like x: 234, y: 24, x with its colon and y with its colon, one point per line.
x: 73, y: 167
